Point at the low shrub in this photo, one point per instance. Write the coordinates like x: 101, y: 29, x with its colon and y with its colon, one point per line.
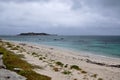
x: 84, y: 72
x: 66, y: 72
x: 94, y: 75
x: 60, y: 63
x: 14, y: 48
x: 40, y: 58
x: 75, y: 67
x: 56, y: 69
x: 34, y: 53
x: 12, y: 61
x: 21, y: 56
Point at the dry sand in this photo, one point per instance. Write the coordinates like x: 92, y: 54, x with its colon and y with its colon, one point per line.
x: 46, y: 57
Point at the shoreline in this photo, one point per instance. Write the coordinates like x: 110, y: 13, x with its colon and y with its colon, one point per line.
x: 71, y: 51
x: 47, y: 57
x: 79, y: 52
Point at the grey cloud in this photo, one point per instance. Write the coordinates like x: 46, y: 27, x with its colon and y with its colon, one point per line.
x: 76, y: 4
x: 60, y: 16
x: 109, y: 8
x: 106, y: 3
x: 19, y: 1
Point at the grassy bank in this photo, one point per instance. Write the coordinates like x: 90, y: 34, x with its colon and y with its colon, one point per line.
x: 13, y: 61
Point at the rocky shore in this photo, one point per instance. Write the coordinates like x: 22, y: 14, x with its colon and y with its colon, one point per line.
x: 6, y: 74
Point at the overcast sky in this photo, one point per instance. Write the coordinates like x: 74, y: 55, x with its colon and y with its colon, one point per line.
x: 65, y: 17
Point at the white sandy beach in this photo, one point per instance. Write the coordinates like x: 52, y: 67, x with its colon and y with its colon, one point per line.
x: 47, y: 56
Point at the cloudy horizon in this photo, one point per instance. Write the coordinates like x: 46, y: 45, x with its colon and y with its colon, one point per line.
x: 64, y: 17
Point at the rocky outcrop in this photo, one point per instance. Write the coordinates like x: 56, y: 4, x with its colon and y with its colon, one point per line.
x: 31, y: 33
x: 102, y: 64
x: 7, y: 74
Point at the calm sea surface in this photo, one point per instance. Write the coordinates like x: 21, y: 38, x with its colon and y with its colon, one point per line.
x: 100, y: 45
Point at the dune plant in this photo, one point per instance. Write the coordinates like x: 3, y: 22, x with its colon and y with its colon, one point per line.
x: 14, y: 48
x: 66, y: 72
x: 12, y: 61
x: 84, y: 72
x: 55, y: 69
x: 94, y: 75
x: 60, y: 63
x: 75, y: 67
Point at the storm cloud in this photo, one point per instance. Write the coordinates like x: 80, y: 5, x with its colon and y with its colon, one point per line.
x: 69, y: 17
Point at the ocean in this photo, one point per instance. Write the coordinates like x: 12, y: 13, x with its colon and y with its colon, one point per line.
x: 100, y: 45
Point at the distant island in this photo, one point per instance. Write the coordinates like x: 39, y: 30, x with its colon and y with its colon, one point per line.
x: 32, y: 33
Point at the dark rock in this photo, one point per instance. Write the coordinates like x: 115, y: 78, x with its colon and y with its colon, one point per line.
x: 118, y: 66
x: 51, y: 48
x: 7, y: 77
x: 2, y: 67
x: 102, y: 64
x: 22, y: 44
x: 1, y: 53
x: 55, y: 39
x: 61, y: 38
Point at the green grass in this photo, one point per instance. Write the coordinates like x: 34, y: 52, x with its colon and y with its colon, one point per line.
x: 84, y: 72
x: 75, y: 67
x: 94, y: 75
x: 66, y: 72
x: 18, y: 46
x: 14, y: 61
x: 40, y: 58
x: 37, y: 67
x: 7, y: 43
x: 21, y: 55
x: 14, y: 48
x: 34, y: 53
x: 59, y: 64
x: 9, y: 46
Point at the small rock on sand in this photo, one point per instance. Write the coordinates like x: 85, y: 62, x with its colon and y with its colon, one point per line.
x: 9, y: 75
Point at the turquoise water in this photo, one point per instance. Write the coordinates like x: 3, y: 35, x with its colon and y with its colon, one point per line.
x: 100, y: 45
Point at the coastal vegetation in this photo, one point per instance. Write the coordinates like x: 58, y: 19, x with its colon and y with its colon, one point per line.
x: 55, y: 69
x: 84, y: 72
x: 14, y: 48
x: 13, y: 61
x: 59, y: 64
x: 100, y: 79
x: 21, y: 56
x: 94, y: 75
x: 66, y: 72
x: 75, y: 67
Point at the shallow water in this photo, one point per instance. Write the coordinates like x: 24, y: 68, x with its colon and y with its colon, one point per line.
x: 100, y: 45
